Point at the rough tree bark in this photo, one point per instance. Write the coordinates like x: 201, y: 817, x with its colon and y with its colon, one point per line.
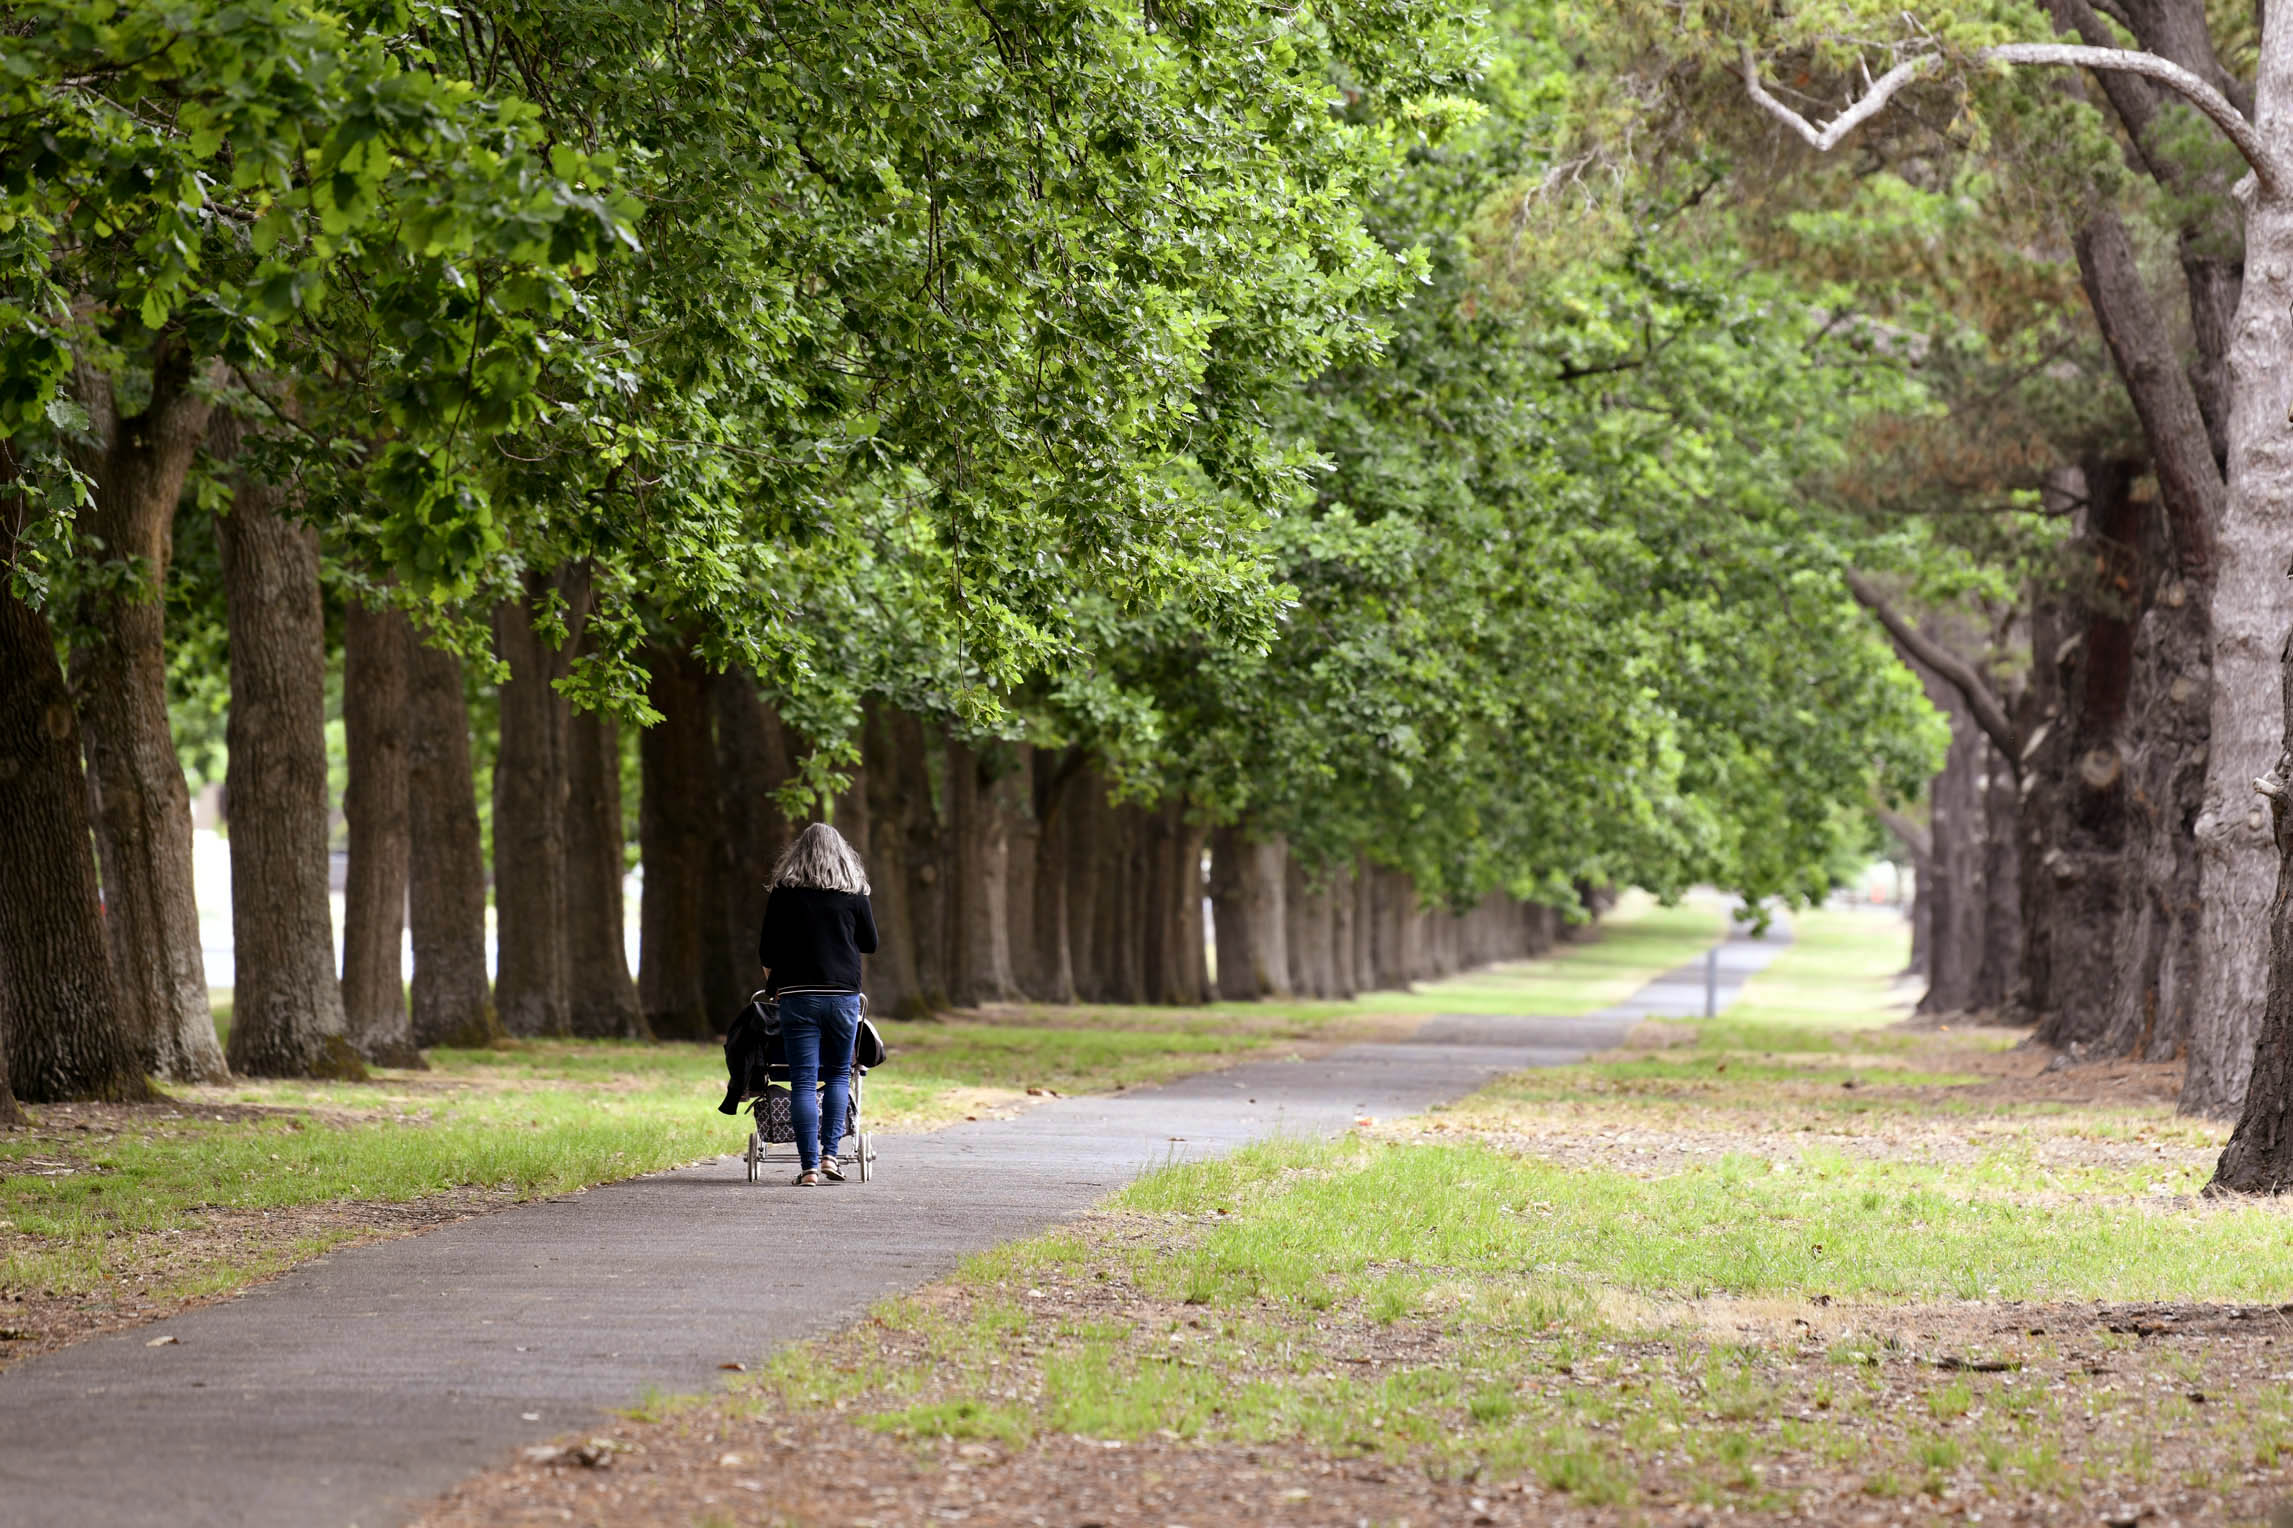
x: 375, y: 648
x: 1051, y: 978
x: 979, y: 900
x: 2260, y: 1152
x: 65, y: 1034
x: 532, y: 793
x: 119, y: 675
x: 1023, y: 857
x: 676, y: 827
x: 1246, y: 907
x: 892, y: 969
x: 11, y: 1115
x: 1954, y: 893
x: 446, y: 883
x: 286, y: 998
x: 1175, y: 953
x: 753, y: 762
x: 600, y: 997
x: 927, y: 862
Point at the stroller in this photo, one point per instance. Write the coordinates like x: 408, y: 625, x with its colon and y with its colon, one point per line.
x: 766, y: 1093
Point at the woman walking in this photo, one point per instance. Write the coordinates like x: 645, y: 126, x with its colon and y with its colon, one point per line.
x: 817, y: 925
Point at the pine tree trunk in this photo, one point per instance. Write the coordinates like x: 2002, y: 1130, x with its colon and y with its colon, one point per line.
x: 376, y: 645
x: 1053, y: 783
x: 286, y: 1000
x: 753, y: 762
x: 677, y: 826
x: 532, y: 796
x: 119, y: 673
x: 446, y: 882
x: 601, y: 1000
x: 892, y: 984
x: 65, y: 1035
x: 979, y: 901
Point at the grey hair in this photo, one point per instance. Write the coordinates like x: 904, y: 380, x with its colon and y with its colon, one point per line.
x: 819, y: 857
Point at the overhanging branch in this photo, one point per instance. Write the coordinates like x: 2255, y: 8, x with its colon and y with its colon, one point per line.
x: 1952, y: 669
x: 2268, y: 169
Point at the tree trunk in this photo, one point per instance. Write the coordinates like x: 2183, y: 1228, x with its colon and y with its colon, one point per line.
x: 1023, y: 857
x: 1306, y: 910
x: 753, y: 763
x: 532, y: 796
x: 1364, y: 942
x: 1053, y: 782
x: 375, y: 645
x: 65, y: 1035
x: 2258, y: 1079
x: 2002, y: 895
x: 119, y: 674
x: 286, y: 998
x: 11, y: 1115
x: 1084, y: 812
x: 677, y: 826
x: 600, y: 999
x: 1338, y: 888
x: 2252, y: 610
x: 1120, y: 920
x: 927, y: 863
x: 1175, y: 944
x: 1955, y: 895
x: 446, y: 903
x: 979, y: 900
x: 892, y: 969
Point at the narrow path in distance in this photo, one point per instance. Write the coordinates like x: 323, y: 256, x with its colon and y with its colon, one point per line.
x: 345, y: 1393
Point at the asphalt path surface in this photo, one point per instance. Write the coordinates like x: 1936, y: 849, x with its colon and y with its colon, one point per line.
x: 360, y: 1385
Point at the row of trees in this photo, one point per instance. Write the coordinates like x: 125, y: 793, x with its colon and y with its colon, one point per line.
x: 2107, y: 844
x: 1051, y: 440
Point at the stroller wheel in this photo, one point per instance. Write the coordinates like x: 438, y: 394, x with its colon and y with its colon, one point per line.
x: 754, y: 1155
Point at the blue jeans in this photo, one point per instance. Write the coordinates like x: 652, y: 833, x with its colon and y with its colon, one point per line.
x: 817, y: 1029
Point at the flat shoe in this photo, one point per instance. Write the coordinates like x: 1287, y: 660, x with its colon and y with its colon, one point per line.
x: 807, y: 1180
x: 832, y: 1172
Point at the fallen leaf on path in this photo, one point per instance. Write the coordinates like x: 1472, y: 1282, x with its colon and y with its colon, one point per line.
x: 170, y: 1340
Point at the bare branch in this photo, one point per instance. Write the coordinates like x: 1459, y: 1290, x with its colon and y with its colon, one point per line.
x: 1826, y: 139
x: 2233, y: 123
x: 1910, y: 834
x: 1948, y: 666
x: 2268, y: 169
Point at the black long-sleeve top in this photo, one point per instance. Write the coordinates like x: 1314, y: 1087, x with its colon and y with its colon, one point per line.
x: 812, y: 940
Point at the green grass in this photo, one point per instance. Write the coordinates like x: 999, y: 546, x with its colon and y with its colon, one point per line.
x: 1467, y: 1306
x: 542, y: 1117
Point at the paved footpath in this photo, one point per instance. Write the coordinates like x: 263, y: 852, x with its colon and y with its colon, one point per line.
x: 355, y: 1388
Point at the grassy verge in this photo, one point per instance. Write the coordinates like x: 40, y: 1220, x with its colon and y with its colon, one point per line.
x: 1784, y: 1263
x: 110, y: 1214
